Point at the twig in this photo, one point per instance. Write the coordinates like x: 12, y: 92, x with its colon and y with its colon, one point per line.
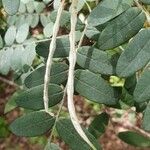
x: 125, y: 123
x: 50, y: 56
x: 58, y: 113
x: 88, y: 6
x: 34, y: 42
x: 70, y: 83
x: 144, y: 10
x: 82, y: 37
x: 129, y: 126
x: 11, y: 83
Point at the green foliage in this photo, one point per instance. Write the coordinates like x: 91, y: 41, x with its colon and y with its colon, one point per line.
x: 94, y: 60
x: 51, y: 146
x: 107, y: 10
x: 141, y: 92
x: 1, y: 42
x: 11, y: 104
x: 11, y: 6
x: 112, y: 66
x: 86, y: 81
x: 134, y: 139
x: 33, y: 97
x: 29, y: 12
x: 10, y: 35
x: 32, y: 124
x: 3, y: 128
x: 58, y: 75
x: 16, y: 56
x: 138, y: 48
x: 62, y: 48
x: 22, y: 33
x: 146, y: 118
x: 48, y: 30
x: 64, y: 127
x: 99, y: 124
x: 145, y: 1
x: 121, y: 29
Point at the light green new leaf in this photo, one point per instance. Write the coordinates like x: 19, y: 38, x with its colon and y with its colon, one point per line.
x: 94, y: 87
x: 48, y: 29
x: 28, y: 55
x: 134, y: 139
x: 11, y: 6
x: 33, y: 98
x: 16, y: 58
x: 80, y: 5
x: 39, y: 6
x: 22, y: 56
x: 35, y: 20
x: 30, y: 7
x: 94, y: 59
x: 68, y: 133
x: 98, y: 125
x: 32, y: 124
x: 11, y: 20
x: 22, y: 8
x: 20, y: 21
x: 56, y: 4
x: 65, y: 19
x: 25, y: 1
x: 59, y: 73
x: 10, y: 35
x: 121, y: 29
x: 5, y: 60
x: 146, y: 2
x: 146, y: 118
x: 107, y: 10
x: 29, y: 19
x: 22, y: 33
x: 142, y: 89
x: 44, y: 19
x: 136, y: 55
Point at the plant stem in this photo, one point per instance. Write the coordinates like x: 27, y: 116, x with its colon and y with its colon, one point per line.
x: 125, y: 123
x: 144, y: 10
x: 58, y: 113
x: 11, y: 83
x: 82, y: 37
x: 70, y: 83
x: 50, y: 56
x: 88, y: 6
x: 129, y: 126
